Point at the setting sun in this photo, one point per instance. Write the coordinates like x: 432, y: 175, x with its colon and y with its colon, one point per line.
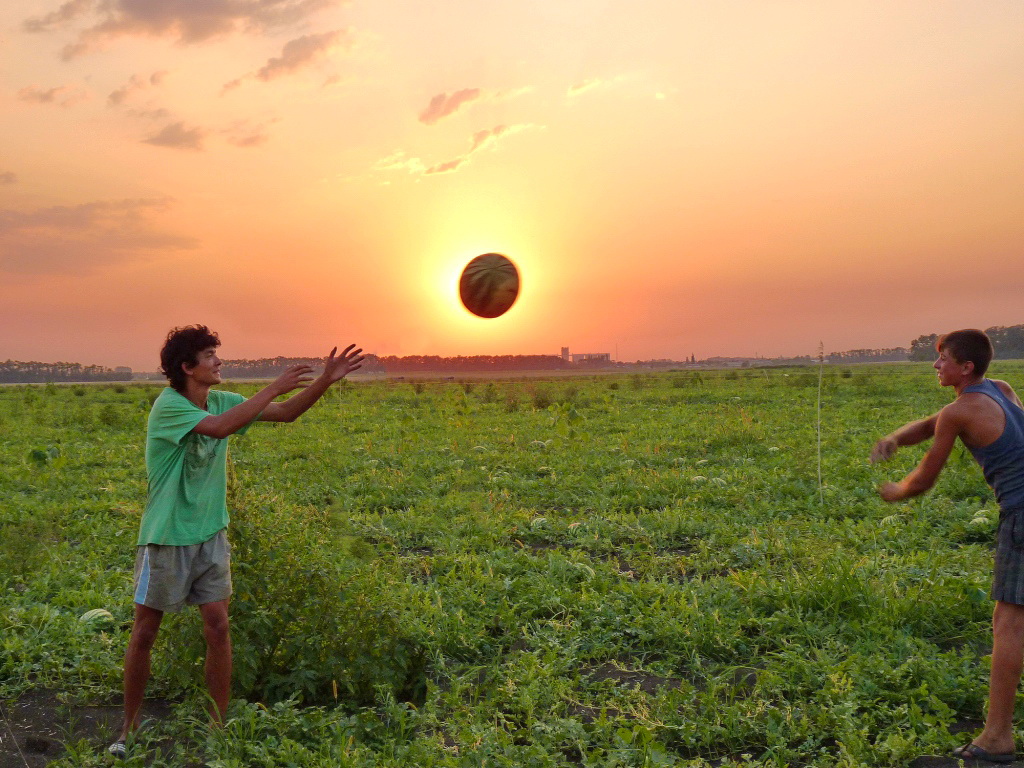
x: 738, y: 179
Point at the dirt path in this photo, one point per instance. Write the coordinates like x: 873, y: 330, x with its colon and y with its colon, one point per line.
x: 38, y: 725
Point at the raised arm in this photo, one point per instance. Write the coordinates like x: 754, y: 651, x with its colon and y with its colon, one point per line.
x: 335, y: 369
x: 223, y: 424
x: 909, y: 434
x: 947, y: 428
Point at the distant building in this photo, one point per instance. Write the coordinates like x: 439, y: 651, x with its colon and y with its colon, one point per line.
x: 592, y: 357
x: 586, y: 357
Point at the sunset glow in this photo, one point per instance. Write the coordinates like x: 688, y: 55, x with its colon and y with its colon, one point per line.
x: 670, y: 178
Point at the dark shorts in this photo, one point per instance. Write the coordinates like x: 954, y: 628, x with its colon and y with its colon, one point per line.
x: 1008, y: 580
x: 168, y: 576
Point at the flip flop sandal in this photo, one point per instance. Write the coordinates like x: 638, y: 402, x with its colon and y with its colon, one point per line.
x: 972, y: 751
x: 118, y: 749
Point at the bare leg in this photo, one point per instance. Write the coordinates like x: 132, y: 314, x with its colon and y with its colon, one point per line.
x: 216, y: 629
x: 136, y: 664
x: 1007, y: 659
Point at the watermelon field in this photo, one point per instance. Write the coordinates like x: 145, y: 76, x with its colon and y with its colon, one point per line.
x: 616, y: 570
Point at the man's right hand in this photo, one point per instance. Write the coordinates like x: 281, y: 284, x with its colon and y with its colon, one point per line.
x: 884, y: 449
x: 293, y: 378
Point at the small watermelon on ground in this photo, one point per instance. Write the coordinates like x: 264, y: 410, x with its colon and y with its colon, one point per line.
x: 97, y: 617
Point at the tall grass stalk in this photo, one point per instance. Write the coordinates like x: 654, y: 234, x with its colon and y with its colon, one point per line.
x: 821, y: 375
x: 14, y: 736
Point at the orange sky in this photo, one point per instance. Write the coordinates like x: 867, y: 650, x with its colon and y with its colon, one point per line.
x: 672, y: 177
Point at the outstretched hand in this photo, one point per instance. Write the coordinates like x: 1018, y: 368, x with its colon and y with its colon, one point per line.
x: 884, y: 449
x: 891, y: 492
x: 338, y: 367
x: 293, y: 378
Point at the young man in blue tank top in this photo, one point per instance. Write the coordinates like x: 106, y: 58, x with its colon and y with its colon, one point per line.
x: 988, y: 418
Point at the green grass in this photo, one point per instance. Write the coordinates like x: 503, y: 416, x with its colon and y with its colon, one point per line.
x: 603, y: 571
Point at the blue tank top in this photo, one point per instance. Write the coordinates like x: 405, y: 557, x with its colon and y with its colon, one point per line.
x: 1002, y: 461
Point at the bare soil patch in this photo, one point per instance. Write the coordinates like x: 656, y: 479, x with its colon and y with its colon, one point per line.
x: 38, y: 725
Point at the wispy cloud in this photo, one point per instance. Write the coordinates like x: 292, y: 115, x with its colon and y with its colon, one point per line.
x: 61, y: 95
x: 184, y: 21
x: 590, y: 84
x: 70, y: 11
x: 154, y: 113
x: 246, y: 134
x: 486, y: 137
x: 301, y: 52
x: 297, y: 55
x: 481, y: 140
x: 399, y: 161
x: 443, y: 104
x: 178, y: 136
x: 136, y: 83
x: 78, y: 239
x: 8, y: 177
x: 448, y: 166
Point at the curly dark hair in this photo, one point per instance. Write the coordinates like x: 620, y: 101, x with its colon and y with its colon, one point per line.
x: 183, y: 346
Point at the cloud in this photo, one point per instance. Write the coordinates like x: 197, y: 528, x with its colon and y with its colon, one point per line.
x: 251, y: 140
x: 301, y: 52
x: 442, y: 104
x: 247, y: 135
x: 62, y: 95
x: 398, y: 161
x: 78, y: 239
x: 447, y: 167
x: 481, y: 140
x: 184, y: 21
x: 68, y: 12
x: 8, y: 177
x: 157, y: 113
x: 178, y: 136
x: 296, y: 55
x: 136, y: 83
x: 590, y: 84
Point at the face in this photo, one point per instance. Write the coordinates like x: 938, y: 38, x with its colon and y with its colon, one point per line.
x: 950, y: 371
x: 207, y: 368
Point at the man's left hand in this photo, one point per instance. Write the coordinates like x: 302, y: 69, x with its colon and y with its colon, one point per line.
x: 338, y: 367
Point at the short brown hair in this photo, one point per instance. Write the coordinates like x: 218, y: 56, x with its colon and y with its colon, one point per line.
x: 968, y: 346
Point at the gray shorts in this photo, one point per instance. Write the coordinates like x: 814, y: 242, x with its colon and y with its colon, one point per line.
x: 168, y: 576
x: 1008, y: 579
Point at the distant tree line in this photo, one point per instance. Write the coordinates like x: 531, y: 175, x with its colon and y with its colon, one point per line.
x: 1008, y: 342
x: 391, y: 364
x: 15, y: 372
x: 889, y: 355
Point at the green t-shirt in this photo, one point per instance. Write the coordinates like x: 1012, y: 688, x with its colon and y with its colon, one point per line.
x: 187, y: 471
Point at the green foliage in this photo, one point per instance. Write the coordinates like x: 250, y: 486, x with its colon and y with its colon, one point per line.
x: 541, y: 399
x: 604, y: 571
x: 316, y: 616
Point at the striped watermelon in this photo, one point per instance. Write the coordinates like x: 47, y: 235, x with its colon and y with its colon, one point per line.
x: 98, y: 617
x: 489, y: 285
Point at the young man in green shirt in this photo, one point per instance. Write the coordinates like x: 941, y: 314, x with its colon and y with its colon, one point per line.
x: 183, y: 555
